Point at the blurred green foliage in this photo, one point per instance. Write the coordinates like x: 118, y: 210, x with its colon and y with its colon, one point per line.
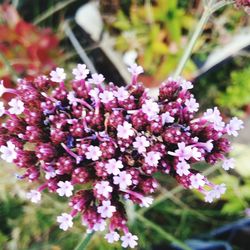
x: 237, y: 93
x: 157, y: 32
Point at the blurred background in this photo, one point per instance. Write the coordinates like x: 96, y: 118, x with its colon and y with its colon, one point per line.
x: 108, y: 35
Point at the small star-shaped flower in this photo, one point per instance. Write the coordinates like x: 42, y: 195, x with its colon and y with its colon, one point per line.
x: 9, y: 153
x: 17, y: 106
x: 65, y: 188
x: 34, y: 196
x: 135, y: 70
x: 106, y: 210
x: 93, y: 153
x: 125, y: 131
x: 152, y: 158
x: 123, y: 180
x: 80, y: 72
x: 228, y: 164
x: 103, y: 188
x: 96, y: 79
x: 113, y: 166
x: 57, y: 75
x: 65, y: 221
x: 141, y: 143
x: 129, y: 240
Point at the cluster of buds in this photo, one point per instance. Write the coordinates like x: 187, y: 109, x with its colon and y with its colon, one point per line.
x: 245, y: 4
x: 101, y: 144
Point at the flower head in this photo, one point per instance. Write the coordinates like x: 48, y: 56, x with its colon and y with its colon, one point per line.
x: 112, y: 139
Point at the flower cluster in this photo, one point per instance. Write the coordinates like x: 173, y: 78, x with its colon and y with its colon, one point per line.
x: 100, y: 145
x: 245, y: 4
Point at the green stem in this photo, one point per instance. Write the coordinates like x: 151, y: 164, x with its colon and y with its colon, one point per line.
x: 208, y: 11
x: 169, y: 237
x: 9, y: 68
x: 188, y: 50
x: 84, y: 243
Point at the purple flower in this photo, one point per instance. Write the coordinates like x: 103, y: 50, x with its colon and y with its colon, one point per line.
x: 113, y: 139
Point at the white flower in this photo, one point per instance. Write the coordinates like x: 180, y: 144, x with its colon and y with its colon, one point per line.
x: 192, y: 105
x: 213, y: 115
x: 50, y: 173
x: 167, y: 118
x: 34, y: 196
x: 80, y: 72
x: 121, y: 94
x: 141, y: 143
x: 215, y: 193
x: 183, y: 152
x: 129, y: 240
x: 123, y: 180
x: 2, y: 88
x: 185, y: 84
x: 65, y: 188
x: 106, y: 96
x: 150, y: 108
x: 106, y: 210
x: 93, y: 153
x: 182, y: 168
x: 125, y: 131
x: 219, y: 190
x: 195, y: 153
x: 146, y: 201
x: 209, y: 146
x: 152, y: 158
x: 234, y: 125
x: 100, y: 225
x: 197, y: 181
x: 2, y: 109
x: 8, y: 153
x: 112, y: 237
x: 228, y: 164
x: 136, y: 70
x: 103, y: 188
x: 72, y: 98
x: 17, y: 106
x: 94, y: 93
x: 65, y: 221
x: 57, y: 75
x: 113, y: 166
x: 96, y: 79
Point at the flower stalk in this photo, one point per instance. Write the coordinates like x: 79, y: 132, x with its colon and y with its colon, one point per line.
x: 209, y: 9
x: 84, y: 242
